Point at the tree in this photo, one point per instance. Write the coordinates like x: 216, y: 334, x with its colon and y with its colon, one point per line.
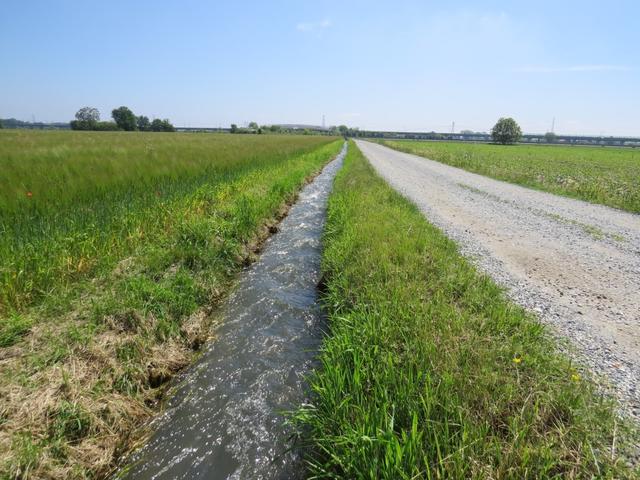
x: 86, y: 119
x: 162, y: 125
x: 106, y: 126
x: 343, y: 129
x: 253, y: 125
x: 167, y: 126
x: 125, y: 118
x: 88, y: 114
x: 550, y: 137
x: 143, y: 123
x: 506, y: 131
x: 234, y: 128
x: 1, y: 125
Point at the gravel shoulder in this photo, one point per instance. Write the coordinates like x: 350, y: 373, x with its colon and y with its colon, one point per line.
x: 575, y: 264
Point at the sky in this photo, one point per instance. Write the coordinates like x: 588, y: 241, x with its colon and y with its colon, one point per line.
x: 401, y: 65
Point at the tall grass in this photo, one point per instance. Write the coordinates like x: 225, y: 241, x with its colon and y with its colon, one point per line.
x: 73, y: 203
x: 610, y: 176
x: 428, y: 371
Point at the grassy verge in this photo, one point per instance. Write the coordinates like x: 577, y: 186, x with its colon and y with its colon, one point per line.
x: 610, y: 176
x: 83, y: 362
x: 428, y: 371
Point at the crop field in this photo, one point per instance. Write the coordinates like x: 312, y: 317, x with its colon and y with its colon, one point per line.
x: 610, y: 176
x: 113, y: 248
x: 428, y: 371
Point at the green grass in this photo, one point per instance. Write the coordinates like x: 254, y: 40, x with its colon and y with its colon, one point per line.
x: 428, y: 371
x: 73, y: 203
x: 109, y: 271
x: 610, y: 176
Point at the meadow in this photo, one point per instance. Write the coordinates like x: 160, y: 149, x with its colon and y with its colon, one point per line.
x: 609, y: 176
x: 114, y: 249
x: 428, y: 371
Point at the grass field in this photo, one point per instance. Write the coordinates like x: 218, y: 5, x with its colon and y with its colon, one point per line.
x: 610, y: 176
x: 114, y: 247
x: 428, y: 371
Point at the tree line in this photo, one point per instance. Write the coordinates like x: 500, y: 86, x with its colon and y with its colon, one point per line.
x: 88, y: 118
x: 253, y: 127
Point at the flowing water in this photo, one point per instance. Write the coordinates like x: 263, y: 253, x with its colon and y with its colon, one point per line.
x: 225, y: 419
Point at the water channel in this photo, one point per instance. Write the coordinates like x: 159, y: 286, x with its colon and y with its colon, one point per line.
x: 225, y: 419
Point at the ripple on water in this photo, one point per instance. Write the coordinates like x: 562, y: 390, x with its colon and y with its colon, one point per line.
x: 225, y: 419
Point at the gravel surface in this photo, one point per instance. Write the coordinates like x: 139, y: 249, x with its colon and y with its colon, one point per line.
x: 575, y: 264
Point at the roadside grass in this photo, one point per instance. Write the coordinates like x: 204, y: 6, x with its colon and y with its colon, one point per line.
x: 428, y: 371
x: 85, y: 354
x: 609, y: 176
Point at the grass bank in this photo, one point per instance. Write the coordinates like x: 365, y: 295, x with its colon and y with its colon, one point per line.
x: 428, y: 371
x: 106, y: 291
x: 609, y: 176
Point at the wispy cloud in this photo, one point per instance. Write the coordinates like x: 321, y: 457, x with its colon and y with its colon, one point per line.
x: 574, y: 68
x: 313, y: 26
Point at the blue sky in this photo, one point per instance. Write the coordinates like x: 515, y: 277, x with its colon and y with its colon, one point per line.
x: 403, y: 65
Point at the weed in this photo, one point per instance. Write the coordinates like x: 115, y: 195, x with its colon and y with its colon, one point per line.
x: 12, y: 327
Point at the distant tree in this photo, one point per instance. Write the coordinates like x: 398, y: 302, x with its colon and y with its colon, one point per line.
x: 550, y: 137
x: 143, y: 123
x: 234, y: 128
x: 1, y: 125
x: 275, y: 128
x: 162, y: 125
x: 125, y: 118
x: 80, y: 125
x: 156, y: 125
x: 343, y: 129
x: 88, y: 114
x: 506, y: 131
x: 86, y: 119
x: 106, y: 126
x: 167, y: 126
x: 253, y: 125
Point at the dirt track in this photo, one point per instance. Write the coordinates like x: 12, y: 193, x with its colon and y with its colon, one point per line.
x: 575, y: 264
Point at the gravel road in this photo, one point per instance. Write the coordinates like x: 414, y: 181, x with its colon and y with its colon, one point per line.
x: 575, y: 264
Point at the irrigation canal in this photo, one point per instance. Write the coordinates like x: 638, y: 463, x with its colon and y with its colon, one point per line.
x: 225, y: 418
